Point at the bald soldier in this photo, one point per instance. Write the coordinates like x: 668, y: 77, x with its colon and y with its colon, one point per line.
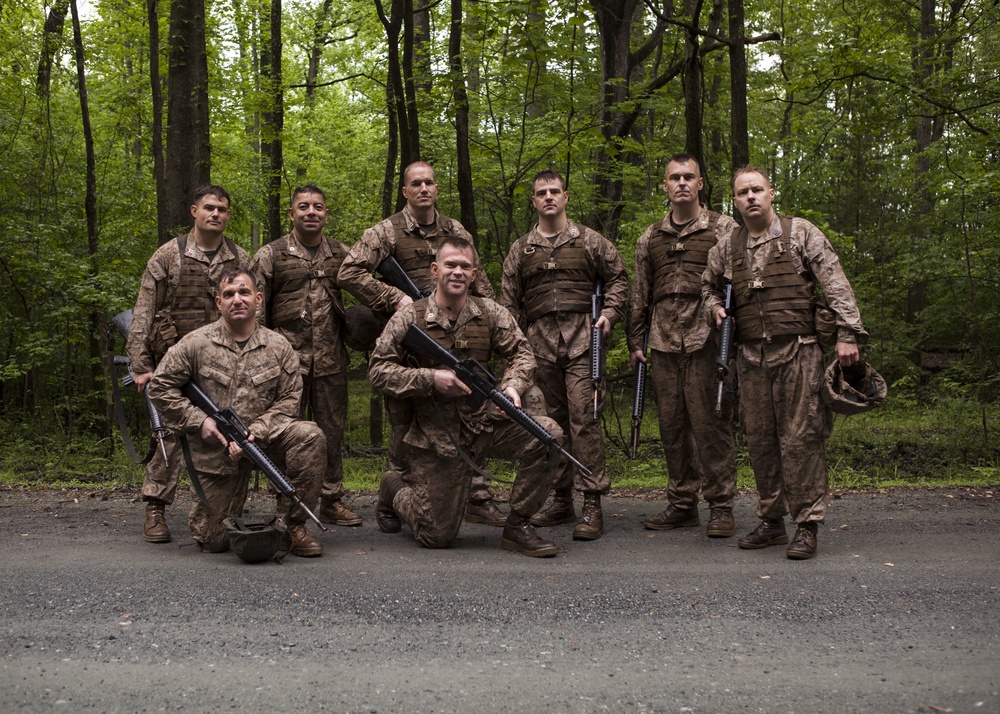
x: 775, y: 264
x: 412, y: 237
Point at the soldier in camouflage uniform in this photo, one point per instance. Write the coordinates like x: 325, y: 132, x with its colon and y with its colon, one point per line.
x: 412, y: 237
x: 429, y: 492
x: 670, y: 257
x: 297, y: 275
x: 254, y: 370
x: 774, y: 264
x: 177, y: 296
x: 548, y: 279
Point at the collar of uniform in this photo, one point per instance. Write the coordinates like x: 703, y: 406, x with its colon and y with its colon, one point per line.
x: 293, y: 246
x: 698, y: 224
x: 220, y: 336
x: 411, y: 223
x: 772, y: 233
x: 192, y: 250
x: 570, y: 232
x: 469, y: 311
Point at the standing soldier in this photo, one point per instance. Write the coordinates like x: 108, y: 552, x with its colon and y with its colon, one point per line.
x: 670, y: 258
x: 548, y: 280
x: 297, y: 275
x: 177, y: 296
x: 774, y: 264
x: 412, y: 237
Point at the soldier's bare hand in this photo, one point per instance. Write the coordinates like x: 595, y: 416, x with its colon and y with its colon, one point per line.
x: 447, y: 383
x: 236, y: 451
x: 141, y: 380
x: 210, y: 432
x: 604, y: 324
x: 636, y: 356
x: 720, y: 315
x: 403, y: 302
x: 847, y: 354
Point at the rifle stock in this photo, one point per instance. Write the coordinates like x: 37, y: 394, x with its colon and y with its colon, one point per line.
x: 483, y: 386
x: 233, y: 428
x: 725, y: 349
x: 393, y: 272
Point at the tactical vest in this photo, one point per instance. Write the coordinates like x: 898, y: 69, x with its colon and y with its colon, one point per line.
x: 415, y: 254
x: 779, y: 302
x: 475, y: 340
x: 193, y: 303
x: 679, y: 262
x: 292, y: 277
x: 556, y: 279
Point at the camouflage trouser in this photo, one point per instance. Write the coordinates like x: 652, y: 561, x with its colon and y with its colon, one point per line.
x: 160, y: 482
x: 326, y: 398
x: 698, y: 445
x: 399, y: 421
x: 432, y: 502
x: 786, y: 426
x: 569, y: 397
x: 299, y: 452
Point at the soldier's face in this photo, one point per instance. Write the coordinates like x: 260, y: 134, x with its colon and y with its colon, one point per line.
x: 683, y: 182
x: 211, y: 214
x: 419, y: 189
x: 238, y: 300
x: 752, y: 196
x: 308, y: 214
x: 454, y: 269
x: 549, y: 197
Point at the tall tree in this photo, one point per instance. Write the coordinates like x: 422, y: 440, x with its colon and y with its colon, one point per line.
x: 460, y: 98
x: 274, y: 120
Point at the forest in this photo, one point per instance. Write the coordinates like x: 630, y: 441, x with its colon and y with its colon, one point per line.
x: 878, y: 121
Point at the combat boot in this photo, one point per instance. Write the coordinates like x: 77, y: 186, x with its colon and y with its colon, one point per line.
x: 720, y: 523
x: 155, y: 529
x: 769, y: 532
x: 672, y: 518
x: 485, y: 512
x: 304, y: 543
x: 385, y: 516
x: 591, y: 525
x: 338, y: 514
x: 519, y: 536
x: 560, y: 511
x: 803, y: 545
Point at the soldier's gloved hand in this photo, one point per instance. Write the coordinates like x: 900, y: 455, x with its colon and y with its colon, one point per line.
x: 447, y: 383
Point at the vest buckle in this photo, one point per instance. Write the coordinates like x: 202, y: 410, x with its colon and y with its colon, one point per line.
x: 551, y: 265
x: 461, y: 344
x: 678, y: 247
x: 756, y: 284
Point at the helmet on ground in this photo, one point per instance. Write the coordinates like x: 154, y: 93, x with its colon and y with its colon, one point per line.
x: 853, y: 390
x: 361, y: 328
x: 255, y: 542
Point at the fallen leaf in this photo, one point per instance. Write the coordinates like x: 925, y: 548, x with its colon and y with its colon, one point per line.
x: 939, y: 709
x: 889, y: 564
x: 765, y: 577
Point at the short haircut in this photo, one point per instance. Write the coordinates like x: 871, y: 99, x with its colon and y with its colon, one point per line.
x: 749, y: 169
x: 457, y: 242
x: 231, y: 275
x: 308, y: 188
x: 415, y: 164
x: 209, y: 190
x: 547, y: 175
x: 682, y: 159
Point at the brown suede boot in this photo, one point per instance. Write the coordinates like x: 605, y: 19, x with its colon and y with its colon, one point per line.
x: 338, y: 514
x: 591, y: 525
x: 520, y: 537
x: 385, y: 516
x: 803, y: 545
x: 485, y: 512
x: 304, y: 543
x: 560, y: 511
x: 155, y: 529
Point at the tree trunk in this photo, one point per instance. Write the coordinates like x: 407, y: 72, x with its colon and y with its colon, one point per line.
x: 51, y: 37
x: 156, y: 140
x: 466, y: 196
x: 274, y: 120
x: 188, y: 162
x: 740, y: 137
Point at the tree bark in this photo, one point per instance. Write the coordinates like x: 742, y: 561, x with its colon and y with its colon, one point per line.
x: 51, y: 38
x: 740, y: 137
x: 274, y: 121
x: 188, y: 162
x: 466, y: 196
x: 156, y: 139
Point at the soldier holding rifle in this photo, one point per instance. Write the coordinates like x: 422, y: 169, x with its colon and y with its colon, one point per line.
x: 243, y: 365
x: 177, y: 296
x: 412, y: 237
x: 550, y: 277
x: 670, y: 257
x: 445, y: 435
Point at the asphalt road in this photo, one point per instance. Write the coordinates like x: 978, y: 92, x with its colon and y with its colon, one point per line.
x: 900, y: 612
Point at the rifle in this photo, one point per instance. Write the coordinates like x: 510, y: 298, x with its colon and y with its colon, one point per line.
x: 639, y: 396
x: 123, y: 321
x: 725, y: 348
x: 596, y: 342
x: 233, y: 428
x: 393, y: 272
x: 483, y: 386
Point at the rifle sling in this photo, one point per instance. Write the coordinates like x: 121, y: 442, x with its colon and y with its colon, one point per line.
x: 116, y: 398
x: 193, y: 474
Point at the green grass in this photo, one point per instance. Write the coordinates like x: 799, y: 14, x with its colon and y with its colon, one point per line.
x: 951, y: 442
